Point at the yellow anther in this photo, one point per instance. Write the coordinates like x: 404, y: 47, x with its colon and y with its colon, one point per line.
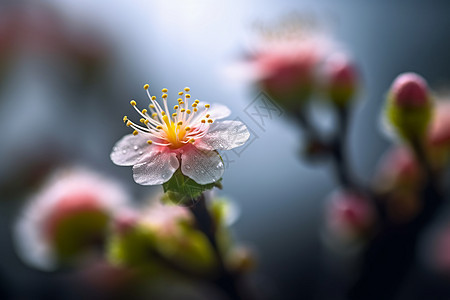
x: 179, y: 100
x: 164, y: 96
x: 154, y: 115
x: 188, y: 96
x: 159, y: 127
x: 164, y: 90
x: 149, y: 142
x: 186, y: 89
x: 210, y: 121
x: 194, y: 104
x: 188, y: 111
x: 195, y: 109
x: 153, y: 97
x: 203, y: 121
x: 176, y: 107
x: 187, y: 128
x: 125, y: 118
x: 128, y: 123
x: 174, y: 114
x: 151, y: 106
x: 207, y: 115
x: 197, y: 101
x: 180, y: 123
x: 135, y: 132
x: 146, y: 87
x: 144, y: 111
x: 163, y: 113
x: 207, y: 105
x: 191, y: 141
x: 146, y: 122
x: 180, y: 93
x: 142, y: 120
x: 132, y: 102
x: 183, y: 110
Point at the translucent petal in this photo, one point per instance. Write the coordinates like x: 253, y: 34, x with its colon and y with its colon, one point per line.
x: 155, y: 167
x: 130, y: 149
x: 224, y: 135
x: 216, y: 111
x: 201, y: 165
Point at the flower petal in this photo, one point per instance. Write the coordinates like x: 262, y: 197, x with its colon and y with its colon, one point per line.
x: 216, y: 111
x: 202, y: 166
x: 224, y: 135
x: 156, y: 167
x: 128, y: 150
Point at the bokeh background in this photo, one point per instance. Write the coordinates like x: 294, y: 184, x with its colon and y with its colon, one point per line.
x: 69, y: 68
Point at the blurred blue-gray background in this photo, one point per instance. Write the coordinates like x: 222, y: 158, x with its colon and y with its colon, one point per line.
x: 69, y: 68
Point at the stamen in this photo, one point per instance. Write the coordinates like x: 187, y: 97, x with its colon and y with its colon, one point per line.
x: 135, y: 132
x: 149, y: 142
x: 164, y: 90
x: 180, y: 93
x: 186, y: 89
x: 176, y: 107
x: 142, y: 120
x: 144, y: 111
x: 146, y: 87
x: 207, y: 105
x: 210, y: 121
x: 128, y: 123
x: 132, y: 102
x: 188, y: 111
x: 188, y: 96
x: 125, y: 118
x: 207, y: 115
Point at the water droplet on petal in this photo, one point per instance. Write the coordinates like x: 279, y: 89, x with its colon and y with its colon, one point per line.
x: 135, y: 148
x: 124, y: 151
x: 188, y: 167
x: 140, y: 152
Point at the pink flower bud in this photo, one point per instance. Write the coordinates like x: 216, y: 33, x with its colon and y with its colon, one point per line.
x: 341, y: 73
x: 68, y: 206
x: 398, y: 168
x: 349, y: 214
x: 125, y: 221
x: 410, y: 90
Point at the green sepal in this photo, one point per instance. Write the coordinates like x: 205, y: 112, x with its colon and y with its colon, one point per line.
x: 181, y: 189
x: 410, y: 123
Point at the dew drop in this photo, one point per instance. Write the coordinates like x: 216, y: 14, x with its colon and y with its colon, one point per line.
x: 188, y: 167
x: 124, y: 151
x: 140, y: 152
x: 135, y: 148
x: 202, y: 171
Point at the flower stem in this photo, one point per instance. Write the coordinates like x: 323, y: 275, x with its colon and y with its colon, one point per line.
x: 390, y: 254
x: 226, y: 280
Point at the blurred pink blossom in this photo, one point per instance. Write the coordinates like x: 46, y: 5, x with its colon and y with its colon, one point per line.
x: 69, y: 193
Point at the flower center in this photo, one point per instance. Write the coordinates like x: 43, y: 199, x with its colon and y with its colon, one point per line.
x: 184, y: 125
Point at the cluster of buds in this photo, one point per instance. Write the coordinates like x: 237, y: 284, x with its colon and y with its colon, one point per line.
x: 295, y: 61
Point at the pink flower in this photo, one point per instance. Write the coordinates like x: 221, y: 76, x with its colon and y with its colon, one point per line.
x: 46, y: 220
x: 349, y: 214
x: 189, y: 138
x: 398, y: 167
x: 439, y: 133
x: 410, y: 90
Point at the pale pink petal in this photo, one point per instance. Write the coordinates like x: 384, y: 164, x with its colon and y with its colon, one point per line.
x: 202, y: 166
x: 156, y: 167
x: 216, y: 112
x: 129, y: 150
x: 224, y: 135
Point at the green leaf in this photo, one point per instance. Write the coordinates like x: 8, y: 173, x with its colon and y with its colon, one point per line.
x: 181, y: 189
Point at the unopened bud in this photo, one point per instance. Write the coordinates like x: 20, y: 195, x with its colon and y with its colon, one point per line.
x: 409, y: 107
x: 341, y: 79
